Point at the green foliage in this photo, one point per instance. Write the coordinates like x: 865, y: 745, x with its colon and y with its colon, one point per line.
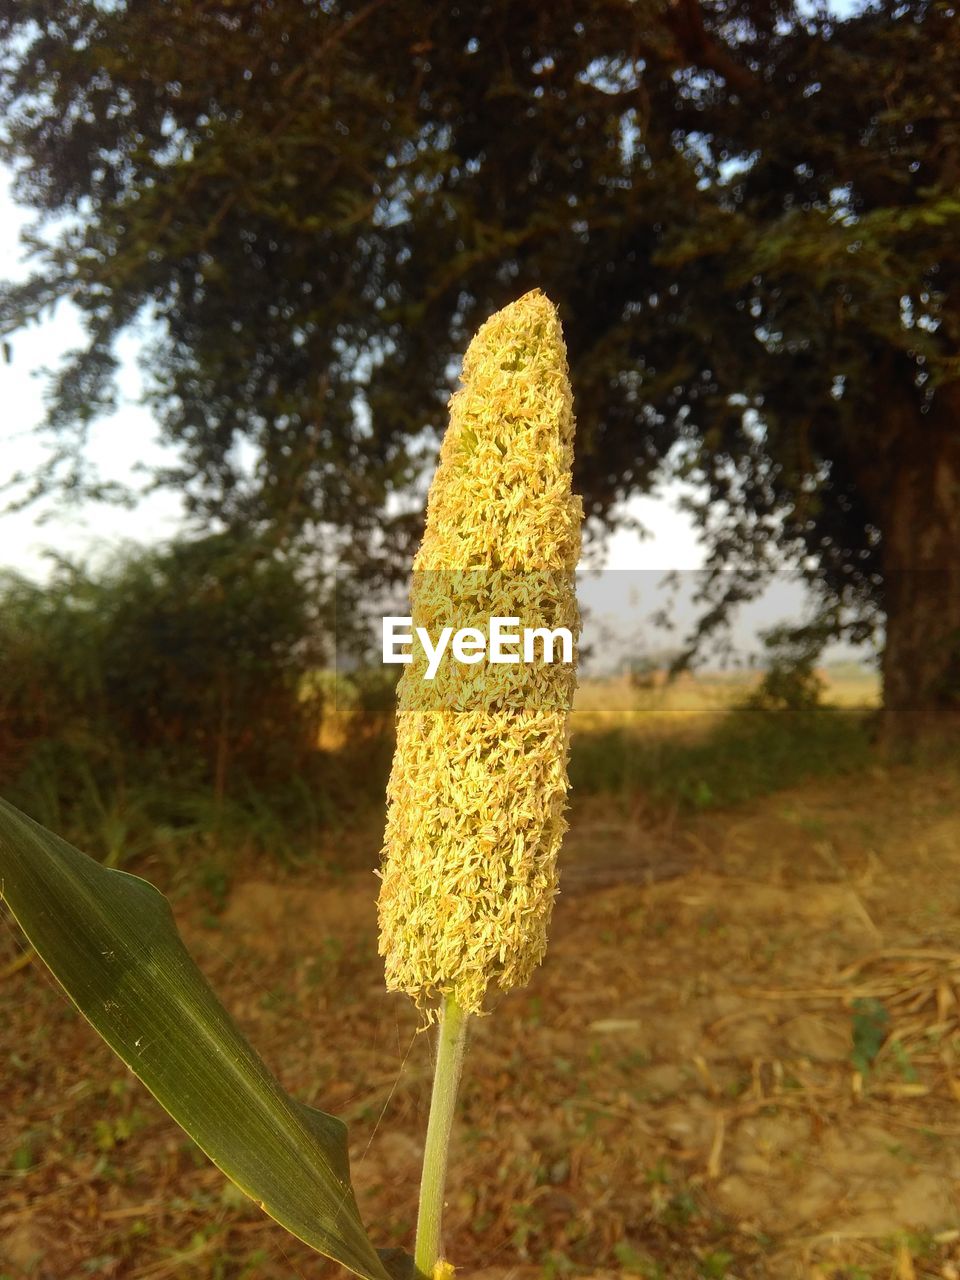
x: 869, y: 1028
x: 748, y: 753
x: 716, y: 1265
x: 637, y: 1262
x: 201, y: 645
x: 791, y: 683
x: 164, y: 696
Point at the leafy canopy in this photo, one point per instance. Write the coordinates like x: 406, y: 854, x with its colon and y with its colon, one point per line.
x: 747, y: 211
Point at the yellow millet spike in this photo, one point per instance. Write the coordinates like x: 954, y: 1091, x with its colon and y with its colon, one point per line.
x: 478, y: 787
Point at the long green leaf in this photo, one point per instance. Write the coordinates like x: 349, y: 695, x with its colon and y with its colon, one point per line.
x: 111, y: 941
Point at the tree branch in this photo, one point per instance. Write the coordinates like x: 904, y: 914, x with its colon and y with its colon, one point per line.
x: 698, y: 47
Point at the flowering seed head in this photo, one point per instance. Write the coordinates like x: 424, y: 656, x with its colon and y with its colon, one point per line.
x: 478, y: 787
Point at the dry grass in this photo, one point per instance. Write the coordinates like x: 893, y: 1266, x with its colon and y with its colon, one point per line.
x: 675, y: 1095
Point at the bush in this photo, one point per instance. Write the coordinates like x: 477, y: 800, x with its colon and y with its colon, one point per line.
x: 791, y: 684
x: 179, y: 671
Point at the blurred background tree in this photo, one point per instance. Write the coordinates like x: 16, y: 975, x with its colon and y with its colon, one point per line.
x: 175, y: 689
x: 747, y: 211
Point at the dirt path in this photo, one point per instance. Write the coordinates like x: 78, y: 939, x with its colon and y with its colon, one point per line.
x: 674, y: 1094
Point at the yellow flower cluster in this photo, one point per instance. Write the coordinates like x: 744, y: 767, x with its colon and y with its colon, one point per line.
x: 479, y: 780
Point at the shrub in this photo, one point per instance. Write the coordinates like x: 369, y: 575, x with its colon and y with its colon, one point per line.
x: 188, y: 662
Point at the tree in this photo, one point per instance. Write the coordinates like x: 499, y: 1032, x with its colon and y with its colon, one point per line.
x: 748, y: 212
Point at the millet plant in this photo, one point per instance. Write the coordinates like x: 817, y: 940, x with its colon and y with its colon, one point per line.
x: 476, y: 804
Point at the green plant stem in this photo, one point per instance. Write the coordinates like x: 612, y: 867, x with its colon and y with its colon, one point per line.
x: 453, y: 1025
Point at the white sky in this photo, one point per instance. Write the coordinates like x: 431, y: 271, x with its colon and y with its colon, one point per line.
x: 119, y: 444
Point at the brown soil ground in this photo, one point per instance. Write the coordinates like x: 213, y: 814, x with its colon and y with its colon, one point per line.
x: 673, y: 1095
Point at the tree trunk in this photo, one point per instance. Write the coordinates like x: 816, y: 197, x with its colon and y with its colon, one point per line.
x: 921, y: 571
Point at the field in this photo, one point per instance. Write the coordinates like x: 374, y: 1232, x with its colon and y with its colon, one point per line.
x: 740, y: 1058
